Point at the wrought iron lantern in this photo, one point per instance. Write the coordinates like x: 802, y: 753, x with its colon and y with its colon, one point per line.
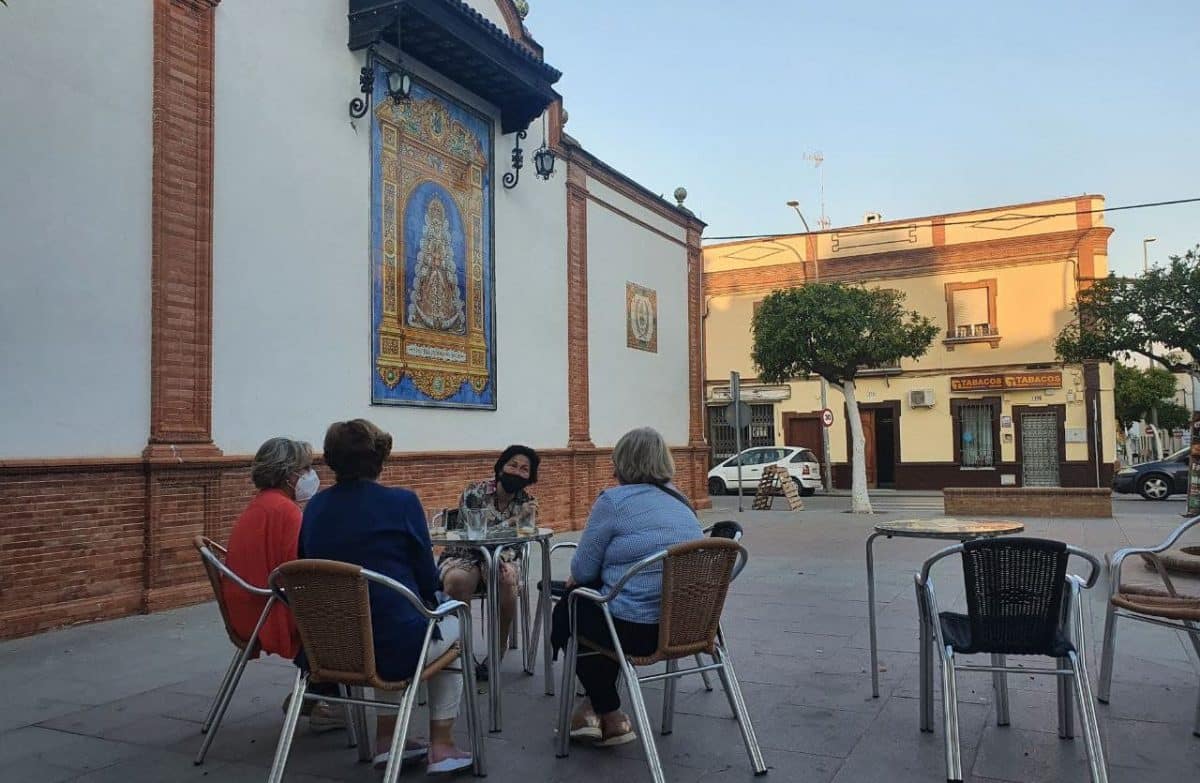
x: 399, y: 83
x: 543, y: 162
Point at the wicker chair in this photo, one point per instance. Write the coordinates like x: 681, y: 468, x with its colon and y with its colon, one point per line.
x: 332, y: 607
x: 1020, y: 601
x: 695, y: 580
x: 1167, y: 607
x: 212, y: 555
x: 558, y: 587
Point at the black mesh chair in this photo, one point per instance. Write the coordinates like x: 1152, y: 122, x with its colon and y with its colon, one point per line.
x: 1020, y: 601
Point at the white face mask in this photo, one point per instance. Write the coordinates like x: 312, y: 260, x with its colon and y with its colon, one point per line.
x: 307, y: 485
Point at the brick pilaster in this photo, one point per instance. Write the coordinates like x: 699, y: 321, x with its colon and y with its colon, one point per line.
x: 181, y: 272
x: 578, y: 414
x: 695, y: 282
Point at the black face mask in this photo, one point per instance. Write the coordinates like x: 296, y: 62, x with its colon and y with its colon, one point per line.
x: 513, y: 483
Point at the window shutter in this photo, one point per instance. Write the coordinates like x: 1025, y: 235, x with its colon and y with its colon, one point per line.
x: 970, y: 307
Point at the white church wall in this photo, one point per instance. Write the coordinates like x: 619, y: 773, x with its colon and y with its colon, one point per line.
x: 630, y: 387
x: 75, y: 201
x: 291, y: 325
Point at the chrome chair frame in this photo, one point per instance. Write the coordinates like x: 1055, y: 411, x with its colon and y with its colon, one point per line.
x: 1108, y: 649
x: 233, y: 674
x: 1074, y: 666
x: 358, y: 702
x: 573, y: 545
x: 722, y: 665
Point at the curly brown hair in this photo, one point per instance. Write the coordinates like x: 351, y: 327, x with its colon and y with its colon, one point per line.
x: 356, y: 449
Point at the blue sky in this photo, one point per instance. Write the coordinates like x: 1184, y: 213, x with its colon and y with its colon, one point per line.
x: 918, y: 107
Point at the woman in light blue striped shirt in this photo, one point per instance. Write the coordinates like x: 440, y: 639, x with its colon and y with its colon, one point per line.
x: 642, y: 516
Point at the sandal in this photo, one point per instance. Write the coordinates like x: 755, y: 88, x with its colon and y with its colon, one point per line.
x: 623, y: 735
x: 412, y: 752
x: 585, y: 727
x: 449, y: 765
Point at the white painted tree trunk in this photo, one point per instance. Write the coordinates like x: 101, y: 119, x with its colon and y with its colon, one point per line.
x: 860, y: 501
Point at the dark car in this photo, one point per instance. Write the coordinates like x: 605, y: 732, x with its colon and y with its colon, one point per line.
x: 1155, y: 480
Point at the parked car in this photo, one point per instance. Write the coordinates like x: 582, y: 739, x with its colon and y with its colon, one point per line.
x: 800, y: 462
x: 1155, y: 480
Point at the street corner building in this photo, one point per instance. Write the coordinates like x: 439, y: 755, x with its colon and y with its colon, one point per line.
x: 988, y: 405
x: 233, y: 220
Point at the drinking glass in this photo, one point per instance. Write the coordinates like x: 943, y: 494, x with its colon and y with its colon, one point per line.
x: 473, y: 522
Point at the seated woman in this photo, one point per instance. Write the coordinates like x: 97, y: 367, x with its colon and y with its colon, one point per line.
x: 504, y: 501
x: 644, y: 515
x: 264, y: 537
x: 360, y: 521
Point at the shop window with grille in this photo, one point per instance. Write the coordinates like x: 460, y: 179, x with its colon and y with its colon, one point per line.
x: 759, y: 431
x: 975, y: 430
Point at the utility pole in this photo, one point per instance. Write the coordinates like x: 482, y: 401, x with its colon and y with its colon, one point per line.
x: 827, y: 477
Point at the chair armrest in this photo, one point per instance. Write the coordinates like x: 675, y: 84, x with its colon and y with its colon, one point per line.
x: 1119, y: 556
x: 1097, y: 566
x: 595, y: 597
x: 228, y: 573
x: 591, y: 595
x: 446, y: 609
x: 923, y: 574
x: 564, y: 545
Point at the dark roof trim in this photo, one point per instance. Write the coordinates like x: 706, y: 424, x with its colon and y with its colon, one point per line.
x: 456, y: 40
x: 681, y: 216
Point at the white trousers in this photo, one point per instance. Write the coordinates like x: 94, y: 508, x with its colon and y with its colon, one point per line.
x: 445, y: 688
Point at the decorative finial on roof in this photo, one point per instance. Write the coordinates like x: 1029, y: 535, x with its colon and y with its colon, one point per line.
x: 680, y: 195
x: 522, y: 8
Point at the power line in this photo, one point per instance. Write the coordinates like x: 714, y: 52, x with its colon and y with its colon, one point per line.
x: 997, y: 219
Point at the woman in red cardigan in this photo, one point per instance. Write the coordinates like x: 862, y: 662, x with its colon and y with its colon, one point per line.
x: 264, y: 537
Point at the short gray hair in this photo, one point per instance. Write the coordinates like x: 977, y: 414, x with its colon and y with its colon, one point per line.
x: 277, y: 459
x: 641, y: 456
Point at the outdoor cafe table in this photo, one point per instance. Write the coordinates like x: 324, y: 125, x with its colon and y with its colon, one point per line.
x: 491, y: 546
x: 945, y: 528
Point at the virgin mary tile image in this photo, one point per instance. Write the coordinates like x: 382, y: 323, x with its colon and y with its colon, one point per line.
x: 432, y: 300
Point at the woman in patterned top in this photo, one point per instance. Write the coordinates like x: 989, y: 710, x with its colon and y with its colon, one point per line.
x: 505, y: 502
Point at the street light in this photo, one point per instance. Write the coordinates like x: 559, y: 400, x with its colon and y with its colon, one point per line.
x: 828, y: 477
x: 1145, y: 253
x: 816, y: 265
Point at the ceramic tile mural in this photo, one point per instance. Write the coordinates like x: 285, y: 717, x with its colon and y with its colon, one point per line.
x: 432, y: 297
x: 641, y: 317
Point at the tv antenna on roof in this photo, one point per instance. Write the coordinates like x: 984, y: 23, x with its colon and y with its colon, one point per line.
x: 817, y: 159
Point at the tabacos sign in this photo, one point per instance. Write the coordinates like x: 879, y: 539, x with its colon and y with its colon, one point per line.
x: 1006, y: 381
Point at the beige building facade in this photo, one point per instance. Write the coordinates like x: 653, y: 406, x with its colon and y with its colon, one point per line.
x: 988, y: 404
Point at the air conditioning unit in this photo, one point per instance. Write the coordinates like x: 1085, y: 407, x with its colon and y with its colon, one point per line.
x: 872, y: 217
x: 920, y: 398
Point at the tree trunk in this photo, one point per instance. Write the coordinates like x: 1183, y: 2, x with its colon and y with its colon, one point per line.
x: 860, y: 501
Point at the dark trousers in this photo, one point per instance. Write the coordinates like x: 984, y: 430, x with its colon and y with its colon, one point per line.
x: 599, y: 673
x: 316, y: 688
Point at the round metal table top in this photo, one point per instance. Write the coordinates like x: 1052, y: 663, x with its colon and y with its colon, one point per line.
x: 949, y: 527
x: 497, y: 536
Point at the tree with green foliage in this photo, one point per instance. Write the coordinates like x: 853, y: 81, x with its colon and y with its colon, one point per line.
x: 1137, y: 392
x: 1173, y: 416
x: 1156, y: 315
x: 835, y: 331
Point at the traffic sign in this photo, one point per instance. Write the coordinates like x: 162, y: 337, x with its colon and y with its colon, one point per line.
x: 827, y: 417
x: 737, y: 412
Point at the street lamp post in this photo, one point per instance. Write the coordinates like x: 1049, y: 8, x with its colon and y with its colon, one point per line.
x: 828, y: 469
x: 1146, y: 254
